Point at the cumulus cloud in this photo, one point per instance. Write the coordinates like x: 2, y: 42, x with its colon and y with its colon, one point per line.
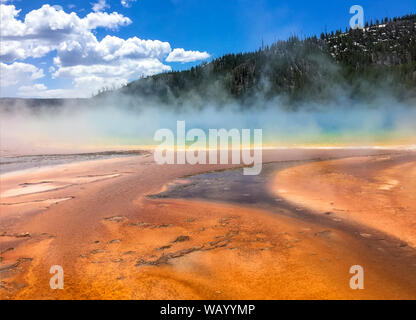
x: 141, y: 67
x: 18, y: 72
x: 109, y: 50
x: 100, y: 6
x: 43, y: 30
x: 180, y: 55
x: 90, y: 79
x: 106, y: 20
x: 88, y: 62
x: 9, y: 24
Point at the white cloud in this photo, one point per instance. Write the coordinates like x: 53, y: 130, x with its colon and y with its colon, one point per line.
x: 90, y: 79
x: 100, y: 6
x: 109, y: 50
x: 89, y: 63
x: 112, y: 20
x: 127, y: 3
x: 44, y: 29
x: 31, y: 91
x: 180, y: 55
x: 18, y: 72
x: 39, y: 90
x: 138, y: 68
x: 111, y: 61
x: 9, y: 24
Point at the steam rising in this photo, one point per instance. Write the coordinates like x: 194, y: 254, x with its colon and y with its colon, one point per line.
x: 75, y: 127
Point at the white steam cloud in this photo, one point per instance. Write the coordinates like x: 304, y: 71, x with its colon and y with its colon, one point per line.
x: 75, y: 127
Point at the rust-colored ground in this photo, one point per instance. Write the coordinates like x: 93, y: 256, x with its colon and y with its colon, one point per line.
x: 376, y: 191
x: 94, y: 220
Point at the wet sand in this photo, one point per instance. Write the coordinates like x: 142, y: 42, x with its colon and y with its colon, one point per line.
x: 130, y: 229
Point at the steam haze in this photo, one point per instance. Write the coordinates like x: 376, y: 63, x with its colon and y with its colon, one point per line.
x: 76, y: 127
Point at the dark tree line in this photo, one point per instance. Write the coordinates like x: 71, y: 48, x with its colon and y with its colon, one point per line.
x: 307, y: 69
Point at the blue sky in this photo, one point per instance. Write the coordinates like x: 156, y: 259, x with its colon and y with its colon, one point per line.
x: 191, y: 29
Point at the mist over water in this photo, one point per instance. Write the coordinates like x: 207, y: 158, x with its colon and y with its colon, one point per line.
x: 109, y: 126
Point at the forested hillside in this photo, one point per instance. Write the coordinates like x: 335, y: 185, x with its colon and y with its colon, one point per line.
x: 362, y: 64
x: 382, y: 56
